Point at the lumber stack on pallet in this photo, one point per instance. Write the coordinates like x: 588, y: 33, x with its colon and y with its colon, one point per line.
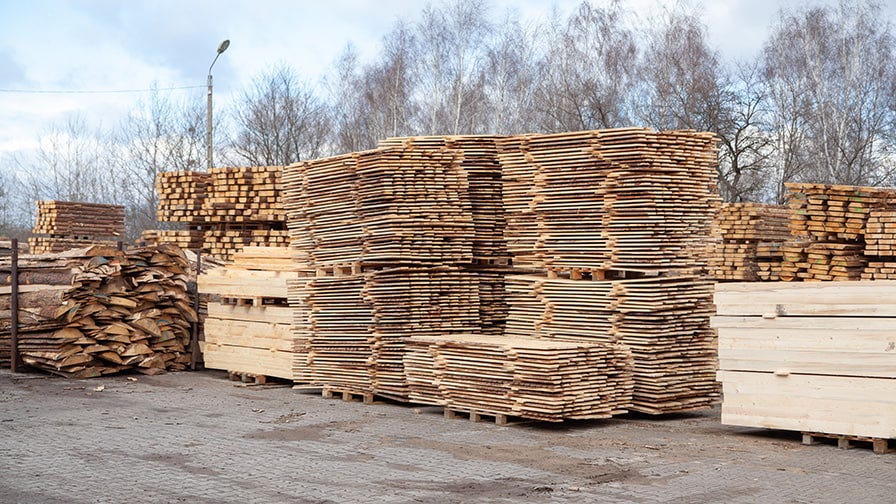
x: 118, y: 311
x: 188, y: 239
x: 663, y: 320
x: 248, y: 326
x: 880, y: 246
x: 244, y: 194
x: 627, y: 199
x: 833, y: 223
x: 521, y: 377
x: 811, y: 357
x: 748, y: 240
x: 65, y: 225
x: 182, y: 195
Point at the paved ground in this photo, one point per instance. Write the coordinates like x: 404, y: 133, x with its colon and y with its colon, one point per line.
x: 197, y: 438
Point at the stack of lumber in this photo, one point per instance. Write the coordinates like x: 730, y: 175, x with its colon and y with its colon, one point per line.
x: 480, y: 162
x: 64, y: 225
x: 224, y: 243
x: 117, y: 311
x: 626, y: 199
x: 359, y: 323
x: 248, y: 326
x: 664, y: 320
x: 189, y: 239
x: 244, y: 194
x: 811, y: 357
x: 747, y: 234
x: 880, y: 246
x: 182, y: 195
x: 523, y: 377
x: 835, y: 222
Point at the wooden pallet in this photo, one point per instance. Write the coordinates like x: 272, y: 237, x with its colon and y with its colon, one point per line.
x: 476, y: 416
x: 878, y: 445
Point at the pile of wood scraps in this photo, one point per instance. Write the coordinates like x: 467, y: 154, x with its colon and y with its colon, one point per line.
x: 65, y: 225
x: 521, y: 377
x: 111, y: 311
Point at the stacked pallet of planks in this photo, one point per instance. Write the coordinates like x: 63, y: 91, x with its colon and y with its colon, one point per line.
x: 631, y: 199
x: 748, y: 240
x: 382, y: 235
x: 248, y: 326
x: 521, y: 377
x: 880, y: 246
x: 663, y: 320
x: 833, y: 223
x: 811, y: 357
x: 103, y: 311
x: 64, y: 225
x: 223, y: 210
x: 182, y: 195
x: 609, y: 229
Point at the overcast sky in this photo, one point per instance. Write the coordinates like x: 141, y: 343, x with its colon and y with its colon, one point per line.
x: 97, y: 45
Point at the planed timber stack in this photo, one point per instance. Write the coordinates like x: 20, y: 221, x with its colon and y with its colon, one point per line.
x: 223, y: 210
x: 97, y: 311
x: 65, y: 225
x: 832, y: 224
x: 748, y: 241
x: 248, y: 326
x: 810, y: 357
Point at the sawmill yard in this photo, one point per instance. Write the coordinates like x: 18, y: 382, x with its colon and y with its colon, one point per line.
x: 198, y: 437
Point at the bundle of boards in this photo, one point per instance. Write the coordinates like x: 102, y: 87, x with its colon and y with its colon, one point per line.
x: 65, y: 225
x: 96, y: 311
x: 748, y: 241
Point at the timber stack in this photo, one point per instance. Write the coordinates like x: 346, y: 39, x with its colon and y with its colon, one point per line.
x: 748, y: 241
x: 247, y: 327
x: 831, y: 223
x: 221, y: 211
x: 65, y: 225
x: 880, y: 245
x: 610, y: 232
x: 97, y: 311
x: 810, y: 357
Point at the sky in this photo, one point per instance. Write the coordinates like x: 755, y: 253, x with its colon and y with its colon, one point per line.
x: 84, y: 46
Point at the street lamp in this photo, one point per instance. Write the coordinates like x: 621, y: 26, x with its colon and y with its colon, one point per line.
x: 208, y: 116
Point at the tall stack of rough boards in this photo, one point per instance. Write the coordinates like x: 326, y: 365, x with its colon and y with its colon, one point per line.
x: 831, y: 222
x: 247, y: 329
x: 96, y: 311
x: 812, y: 357
x: 64, y: 225
x: 615, y: 224
x: 748, y: 241
x: 223, y: 210
x: 880, y: 245
x: 381, y: 235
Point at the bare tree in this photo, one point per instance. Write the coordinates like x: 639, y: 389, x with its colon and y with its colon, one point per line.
x: 830, y: 72
x: 587, y: 71
x: 279, y: 120
x: 510, y: 77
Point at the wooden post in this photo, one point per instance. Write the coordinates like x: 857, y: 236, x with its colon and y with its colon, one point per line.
x: 194, y: 333
x: 14, y: 308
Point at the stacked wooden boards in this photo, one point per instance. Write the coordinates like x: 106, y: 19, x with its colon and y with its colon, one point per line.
x: 832, y: 222
x: 65, y: 225
x: 812, y: 357
x: 223, y: 210
x: 663, y: 320
x: 880, y: 245
x: 381, y: 235
x: 748, y: 241
x: 626, y: 199
x: 521, y: 377
x: 248, y: 325
x: 103, y: 311
x: 586, y: 207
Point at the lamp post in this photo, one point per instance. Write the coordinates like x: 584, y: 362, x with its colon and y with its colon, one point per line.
x: 208, y: 115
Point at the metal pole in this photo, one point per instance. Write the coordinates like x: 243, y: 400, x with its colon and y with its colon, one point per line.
x: 208, y: 121
x: 194, y: 335
x: 14, y: 308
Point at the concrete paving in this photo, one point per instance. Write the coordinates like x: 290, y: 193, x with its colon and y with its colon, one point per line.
x: 198, y: 437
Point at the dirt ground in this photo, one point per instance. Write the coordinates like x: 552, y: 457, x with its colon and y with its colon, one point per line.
x: 198, y: 437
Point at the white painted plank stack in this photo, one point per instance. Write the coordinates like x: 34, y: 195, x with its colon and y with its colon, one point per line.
x: 814, y: 357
